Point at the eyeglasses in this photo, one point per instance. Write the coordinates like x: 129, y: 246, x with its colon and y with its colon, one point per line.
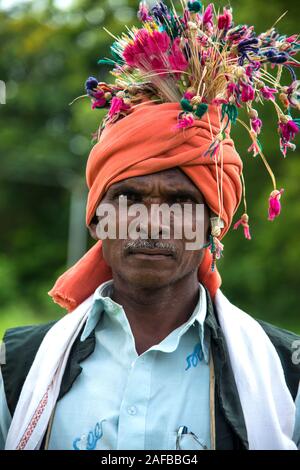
x: 183, y: 431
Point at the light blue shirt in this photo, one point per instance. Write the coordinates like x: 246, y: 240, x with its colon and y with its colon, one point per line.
x: 125, y: 401
x: 122, y: 400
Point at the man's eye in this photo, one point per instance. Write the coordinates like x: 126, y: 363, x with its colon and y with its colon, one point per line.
x: 183, y: 199
x: 131, y: 196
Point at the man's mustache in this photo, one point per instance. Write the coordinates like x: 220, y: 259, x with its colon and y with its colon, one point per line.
x: 150, y: 244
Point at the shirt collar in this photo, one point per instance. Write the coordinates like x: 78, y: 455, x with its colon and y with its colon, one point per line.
x: 103, y: 302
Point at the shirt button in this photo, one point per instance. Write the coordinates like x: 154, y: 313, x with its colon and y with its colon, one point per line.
x: 131, y: 410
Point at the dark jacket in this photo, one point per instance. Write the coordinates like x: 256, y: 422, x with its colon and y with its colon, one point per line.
x: 22, y: 344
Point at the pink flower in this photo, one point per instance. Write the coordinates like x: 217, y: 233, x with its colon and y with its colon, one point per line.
x: 132, y: 51
x: 219, y: 248
x: 291, y: 38
x: 254, y: 147
x: 288, y: 130
x: 274, y: 204
x: 98, y: 100
x: 244, y: 222
x: 252, y: 68
x: 256, y: 125
x: 117, y: 105
x: 148, y: 50
x: 231, y: 88
x: 184, y: 121
x: 177, y: 59
x: 233, y: 94
x: 132, y: 54
x: 225, y: 20
x: 207, y: 18
x: 205, y: 55
x: 247, y: 93
x: 268, y: 93
x: 203, y: 40
x: 157, y: 42
x: 284, y: 146
x: 99, y: 103
x: 219, y: 101
x: 186, y: 17
x: 143, y: 12
x: 189, y: 95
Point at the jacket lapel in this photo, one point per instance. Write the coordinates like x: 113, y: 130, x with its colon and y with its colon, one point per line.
x: 226, y: 391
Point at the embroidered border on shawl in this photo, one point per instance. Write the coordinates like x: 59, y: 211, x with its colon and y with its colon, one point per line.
x: 33, y: 422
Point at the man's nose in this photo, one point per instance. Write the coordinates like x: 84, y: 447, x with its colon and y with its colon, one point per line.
x: 155, y: 224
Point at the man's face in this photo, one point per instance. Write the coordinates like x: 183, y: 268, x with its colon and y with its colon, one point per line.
x: 154, y: 262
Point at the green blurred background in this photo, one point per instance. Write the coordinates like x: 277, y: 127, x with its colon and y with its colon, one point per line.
x: 48, y: 49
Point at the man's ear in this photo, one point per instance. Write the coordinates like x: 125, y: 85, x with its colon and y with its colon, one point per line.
x: 209, y: 214
x: 92, y: 227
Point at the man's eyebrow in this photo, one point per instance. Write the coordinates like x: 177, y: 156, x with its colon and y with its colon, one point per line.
x: 143, y: 187
x: 124, y: 185
x: 173, y: 190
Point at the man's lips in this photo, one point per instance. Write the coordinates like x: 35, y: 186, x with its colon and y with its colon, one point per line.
x: 151, y: 253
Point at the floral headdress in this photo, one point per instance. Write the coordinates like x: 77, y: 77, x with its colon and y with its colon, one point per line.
x: 199, y: 58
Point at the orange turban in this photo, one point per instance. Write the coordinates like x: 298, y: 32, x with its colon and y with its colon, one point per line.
x: 145, y: 142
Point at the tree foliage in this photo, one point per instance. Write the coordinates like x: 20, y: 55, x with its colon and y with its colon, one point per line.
x: 46, y: 55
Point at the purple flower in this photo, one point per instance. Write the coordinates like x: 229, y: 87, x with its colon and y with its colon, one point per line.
x: 256, y: 125
x: 254, y: 66
x: 90, y: 84
x: 268, y: 93
x: 239, y: 33
x: 246, y: 46
x: 143, y: 12
x: 276, y: 57
x: 293, y: 94
x: 160, y: 12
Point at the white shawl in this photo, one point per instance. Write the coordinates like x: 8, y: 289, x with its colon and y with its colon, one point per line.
x: 268, y: 407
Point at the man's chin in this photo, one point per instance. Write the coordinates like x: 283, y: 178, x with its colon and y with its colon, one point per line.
x: 148, y: 279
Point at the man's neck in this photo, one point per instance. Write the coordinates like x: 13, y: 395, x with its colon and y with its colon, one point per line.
x: 154, y: 313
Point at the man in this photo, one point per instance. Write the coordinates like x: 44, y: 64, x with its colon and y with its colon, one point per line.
x: 153, y: 355
x: 152, y: 360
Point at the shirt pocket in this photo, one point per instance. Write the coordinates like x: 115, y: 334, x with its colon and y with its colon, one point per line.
x: 187, y: 442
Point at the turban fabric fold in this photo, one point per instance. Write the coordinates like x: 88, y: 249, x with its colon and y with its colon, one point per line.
x: 145, y: 142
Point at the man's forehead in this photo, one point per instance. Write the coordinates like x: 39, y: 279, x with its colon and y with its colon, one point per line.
x: 170, y: 179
